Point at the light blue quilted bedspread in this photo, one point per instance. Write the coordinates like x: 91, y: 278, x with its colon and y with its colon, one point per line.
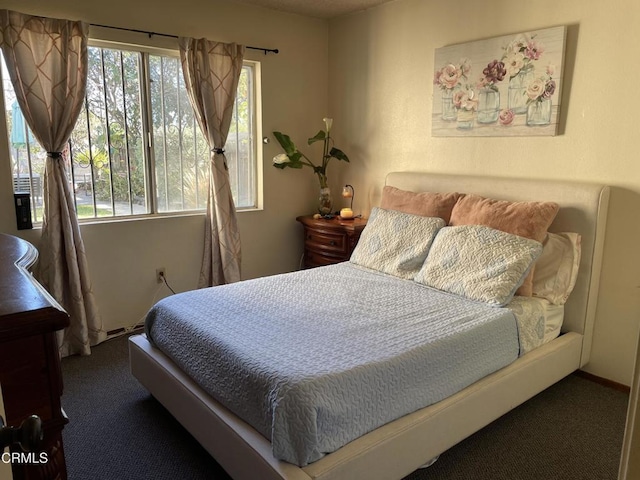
x: 317, y: 358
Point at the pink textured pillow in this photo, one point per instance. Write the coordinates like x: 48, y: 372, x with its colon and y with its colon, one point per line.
x: 425, y: 204
x: 527, y: 219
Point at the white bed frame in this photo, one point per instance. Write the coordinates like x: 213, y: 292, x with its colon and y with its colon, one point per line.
x: 400, y: 447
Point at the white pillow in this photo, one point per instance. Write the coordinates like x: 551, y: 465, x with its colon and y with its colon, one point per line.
x: 395, y: 243
x: 479, y: 262
x: 557, y: 268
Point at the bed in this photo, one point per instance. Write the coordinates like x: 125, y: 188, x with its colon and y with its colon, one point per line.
x: 398, y: 447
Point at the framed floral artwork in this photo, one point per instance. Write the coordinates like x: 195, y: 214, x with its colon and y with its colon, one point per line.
x: 502, y: 86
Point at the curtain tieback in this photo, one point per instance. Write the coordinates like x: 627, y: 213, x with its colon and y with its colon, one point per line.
x: 54, y: 154
x: 220, y: 151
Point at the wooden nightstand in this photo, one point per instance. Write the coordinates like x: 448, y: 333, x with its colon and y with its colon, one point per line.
x: 328, y: 241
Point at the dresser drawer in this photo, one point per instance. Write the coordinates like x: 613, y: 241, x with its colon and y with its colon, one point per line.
x: 25, y: 379
x: 30, y: 371
x: 326, y: 241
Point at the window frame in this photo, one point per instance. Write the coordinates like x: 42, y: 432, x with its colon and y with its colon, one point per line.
x: 148, y: 151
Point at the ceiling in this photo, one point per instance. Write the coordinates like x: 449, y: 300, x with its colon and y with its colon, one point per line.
x: 316, y: 8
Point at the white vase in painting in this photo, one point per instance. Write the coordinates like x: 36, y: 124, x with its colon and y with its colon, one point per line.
x: 448, y: 110
x: 517, y: 100
x: 488, y: 105
x: 539, y: 112
x: 465, y: 119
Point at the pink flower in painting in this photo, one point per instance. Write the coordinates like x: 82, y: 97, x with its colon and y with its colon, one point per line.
x: 520, y: 52
x: 551, y: 69
x: 470, y: 102
x: 506, y: 116
x: 450, y: 76
x: 533, y: 50
x: 465, y: 100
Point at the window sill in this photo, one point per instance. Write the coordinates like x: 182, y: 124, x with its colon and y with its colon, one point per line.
x: 148, y: 216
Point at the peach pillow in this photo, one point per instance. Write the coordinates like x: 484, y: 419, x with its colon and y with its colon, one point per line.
x: 425, y: 204
x: 527, y: 219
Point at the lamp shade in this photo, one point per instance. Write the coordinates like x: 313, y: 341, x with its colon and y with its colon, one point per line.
x: 348, y: 192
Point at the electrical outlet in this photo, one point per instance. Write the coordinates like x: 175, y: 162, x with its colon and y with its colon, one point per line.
x: 160, y: 273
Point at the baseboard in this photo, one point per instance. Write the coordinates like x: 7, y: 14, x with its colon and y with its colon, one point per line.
x: 120, y: 331
x: 603, y: 381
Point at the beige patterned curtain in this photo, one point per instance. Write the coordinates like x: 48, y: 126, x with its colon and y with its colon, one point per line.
x: 47, y: 63
x: 211, y: 73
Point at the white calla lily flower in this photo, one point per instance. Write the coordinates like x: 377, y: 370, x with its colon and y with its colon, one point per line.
x: 281, y: 158
x: 327, y: 123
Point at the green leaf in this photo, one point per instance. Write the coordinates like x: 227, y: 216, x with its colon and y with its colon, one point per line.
x: 295, y: 157
x: 319, y: 136
x: 339, y: 154
x: 285, y: 142
x: 292, y: 164
x: 294, y: 161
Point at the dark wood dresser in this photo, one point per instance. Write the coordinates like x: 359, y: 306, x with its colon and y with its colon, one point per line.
x: 328, y: 241
x: 30, y: 373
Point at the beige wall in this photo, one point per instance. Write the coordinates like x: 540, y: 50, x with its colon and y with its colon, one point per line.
x: 378, y: 67
x: 380, y: 92
x: 123, y: 256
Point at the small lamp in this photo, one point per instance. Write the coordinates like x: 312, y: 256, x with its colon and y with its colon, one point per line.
x: 348, y: 192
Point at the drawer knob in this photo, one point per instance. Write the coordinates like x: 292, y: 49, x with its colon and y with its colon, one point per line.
x: 29, y: 435
x: 332, y: 242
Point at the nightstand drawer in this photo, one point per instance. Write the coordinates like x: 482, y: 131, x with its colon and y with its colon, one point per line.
x: 316, y: 259
x: 326, y: 241
x: 329, y: 240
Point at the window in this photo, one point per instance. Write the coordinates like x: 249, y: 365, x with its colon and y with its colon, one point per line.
x: 137, y: 148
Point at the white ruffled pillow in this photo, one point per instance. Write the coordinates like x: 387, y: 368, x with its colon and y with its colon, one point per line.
x: 395, y: 243
x: 557, y: 268
x: 479, y: 262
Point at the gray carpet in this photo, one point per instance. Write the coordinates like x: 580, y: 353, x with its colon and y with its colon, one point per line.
x: 571, y: 431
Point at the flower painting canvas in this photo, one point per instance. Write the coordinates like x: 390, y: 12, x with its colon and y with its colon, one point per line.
x: 502, y: 86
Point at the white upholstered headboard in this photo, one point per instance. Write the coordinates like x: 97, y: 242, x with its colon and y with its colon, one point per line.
x: 583, y: 209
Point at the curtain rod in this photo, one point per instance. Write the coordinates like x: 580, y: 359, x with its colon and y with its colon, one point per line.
x: 265, y: 50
